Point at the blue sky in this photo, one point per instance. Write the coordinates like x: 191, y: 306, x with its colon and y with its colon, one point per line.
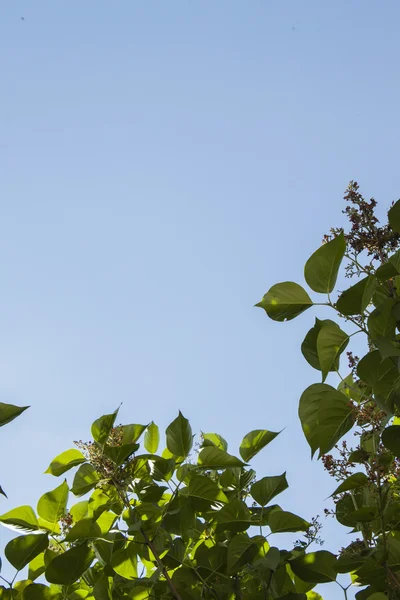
x: 162, y: 164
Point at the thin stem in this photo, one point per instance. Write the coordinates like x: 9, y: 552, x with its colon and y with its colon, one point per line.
x: 5, y: 580
x: 168, y: 579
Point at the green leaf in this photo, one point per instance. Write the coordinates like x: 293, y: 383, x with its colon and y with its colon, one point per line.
x: 255, y: 441
x: 152, y: 438
x: 381, y: 322
x: 280, y: 521
x: 124, y: 561
x: 241, y: 550
x: 85, y: 479
x: 22, y: 517
x: 203, y: 492
x: 119, y: 454
x: 355, y: 299
x: 212, y: 457
x: 391, y: 439
x: 88, y: 528
x: 2, y: 492
x: 214, y: 439
x: 102, y: 427
x: 79, y: 510
x: 66, y: 568
x: 285, y: 301
x: 65, y: 461
x: 272, y: 558
x: 315, y: 567
x: 38, y: 591
x: 322, y: 267
x: 331, y: 342
x: 325, y: 416
x: 51, y: 506
x: 179, y: 436
x: 21, y: 550
x: 309, y: 345
x: 36, y: 566
x: 382, y: 376
x: 233, y: 517
x: 8, y: 412
x: 131, y: 433
x: 267, y: 488
x: 394, y: 217
x: 353, y: 481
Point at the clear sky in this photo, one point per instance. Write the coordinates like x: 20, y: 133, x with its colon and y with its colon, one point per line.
x: 162, y: 164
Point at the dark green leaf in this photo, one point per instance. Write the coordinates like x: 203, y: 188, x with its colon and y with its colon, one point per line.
x: 391, y: 439
x: 309, y: 345
x: 315, y: 567
x: 381, y: 322
x: 267, y: 488
x: 203, y: 491
x: 131, y: 433
x: 353, y: 481
x: 21, y: 550
x: 233, y: 517
x: 241, y: 550
x: 322, y: 267
x: 255, y: 441
x: 325, y: 416
x: 331, y: 342
x: 281, y: 521
x: 272, y: 558
x: 66, y: 568
x: 285, y: 301
x: 394, y: 217
x: 179, y: 436
x: 119, y: 454
x: 355, y: 299
x: 8, y: 412
x: 65, y: 461
x: 38, y: 591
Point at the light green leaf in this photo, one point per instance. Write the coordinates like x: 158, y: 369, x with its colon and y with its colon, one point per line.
x: 281, y: 521
x: 241, y: 550
x: 353, y: 481
x: 21, y: 550
x: 102, y: 427
x: 214, y: 439
x: 8, y: 412
x: 212, y: 457
x: 268, y: 487
x: 322, y: 267
x: 331, y: 342
x: 88, y: 528
x: 179, y: 436
x: 315, y: 567
x: 79, y: 510
x: 66, y: 568
x: 394, y: 217
x: 22, y: 517
x: 65, y: 461
x: 152, y: 438
x: 285, y: 301
x: 51, y: 506
x: 255, y: 441
x: 124, y: 561
x: 85, y: 479
x: 36, y: 567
